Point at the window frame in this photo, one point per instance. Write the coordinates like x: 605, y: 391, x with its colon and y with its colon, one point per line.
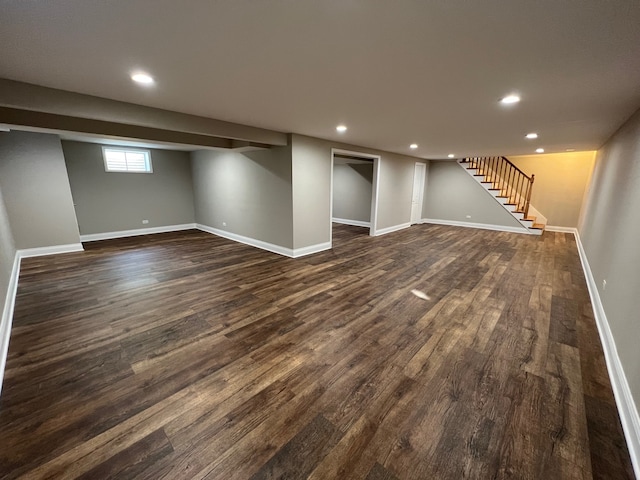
x: 145, y: 151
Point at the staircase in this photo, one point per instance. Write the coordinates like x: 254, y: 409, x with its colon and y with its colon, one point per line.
x: 509, y: 185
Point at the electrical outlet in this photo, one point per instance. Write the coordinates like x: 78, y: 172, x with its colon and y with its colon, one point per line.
x: 224, y: 224
x: 468, y: 216
x: 144, y: 222
x: 604, y: 285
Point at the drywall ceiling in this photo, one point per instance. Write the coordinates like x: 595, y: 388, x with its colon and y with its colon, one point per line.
x: 394, y: 72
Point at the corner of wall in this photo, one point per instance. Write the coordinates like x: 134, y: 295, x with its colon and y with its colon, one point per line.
x: 7, y: 315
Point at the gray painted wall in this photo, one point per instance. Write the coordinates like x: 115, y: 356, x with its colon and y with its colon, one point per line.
x: 249, y: 191
x: 7, y: 252
x: 282, y: 195
x: 561, y: 180
x: 111, y: 202
x: 451, y: 194
x: 36, y: 191
x: 610, y: 233
x: 312, y: 180
x: 396, y: 189
x: 352, y: 184
x: 311, y: 183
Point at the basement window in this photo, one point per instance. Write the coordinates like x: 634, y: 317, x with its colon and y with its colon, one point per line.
x: 131, y: 160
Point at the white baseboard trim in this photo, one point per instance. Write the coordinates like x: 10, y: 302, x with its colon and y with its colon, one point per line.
x: 92, y: 237
x: 320, y: 247
x: 7, y: 315
x: 394, y: 228
x: 10, y: 300
x: 483, y: 226
x: 355, y: 223
x: 553, y: 228
x: 52, y: 250
x: 287, y: 252
x: 624, y: 399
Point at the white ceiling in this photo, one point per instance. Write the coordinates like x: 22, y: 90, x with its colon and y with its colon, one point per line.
x: 395, y: 72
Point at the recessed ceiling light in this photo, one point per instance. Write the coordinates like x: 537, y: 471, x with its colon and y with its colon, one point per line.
x: 451, y: 155
x: 413, y: 146
x: 142, y: 78
x: 509, y: 99
x: 341, y: 128
x: 539, y: 150
x: 531, y: 135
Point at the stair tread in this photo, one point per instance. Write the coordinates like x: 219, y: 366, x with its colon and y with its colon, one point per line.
x: 508, y: 195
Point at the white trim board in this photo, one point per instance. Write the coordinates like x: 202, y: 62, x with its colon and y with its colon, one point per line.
x: 271, y: 247
x: 92, y: 237
x: 624, y: 399
x: 303, y: 251
x: 553, y: 228
x: 52, y: 250
x: 394, y: 228
x: 483, y: 226
x: 7, y: 315
x: 355, y: 223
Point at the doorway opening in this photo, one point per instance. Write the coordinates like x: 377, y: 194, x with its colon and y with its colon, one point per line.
x: 354, y: 190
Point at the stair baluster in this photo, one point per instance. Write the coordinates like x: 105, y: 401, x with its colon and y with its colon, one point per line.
x: 507, y: 180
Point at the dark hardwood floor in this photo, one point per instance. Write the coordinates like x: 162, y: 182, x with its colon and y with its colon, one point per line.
x: 187, y: 356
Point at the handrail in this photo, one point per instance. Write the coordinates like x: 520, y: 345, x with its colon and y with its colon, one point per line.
x: 511, y: 182
x: 509, y: 162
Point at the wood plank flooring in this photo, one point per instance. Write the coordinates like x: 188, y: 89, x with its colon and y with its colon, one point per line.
x: 187, y: 356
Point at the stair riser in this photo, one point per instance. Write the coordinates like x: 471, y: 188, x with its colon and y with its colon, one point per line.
x: 504, y: 201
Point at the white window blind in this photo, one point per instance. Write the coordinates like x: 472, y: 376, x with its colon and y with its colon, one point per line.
x: 126, y: 160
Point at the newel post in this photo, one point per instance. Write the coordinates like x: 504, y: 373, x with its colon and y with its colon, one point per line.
x: 526, y: 210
